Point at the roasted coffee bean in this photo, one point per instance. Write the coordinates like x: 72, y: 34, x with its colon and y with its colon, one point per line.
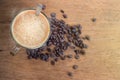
x: 53, y: 14
x: 43, y: 7
x: 93, y: 19
x: 48, y: 49
x: 75, y: 66
x: 87, y: 37
x: 52, y: 55
x: 52, y: 62
x: 73, y: 30
x: 70, y: 74
x: 63, y: 57
x: 77, y: 56
x: 64, y: 16
x: 85, y: 46
x: 56, y: 59
x: 29, y: 57
x: 82, y: 52
x: 28, y: 51
x: 69, y: 56
x: 72, y: 47
x: 76, y: 51
x: 61, y: 11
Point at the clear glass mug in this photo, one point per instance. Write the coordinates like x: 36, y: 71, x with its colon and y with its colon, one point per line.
x: 18, y: 46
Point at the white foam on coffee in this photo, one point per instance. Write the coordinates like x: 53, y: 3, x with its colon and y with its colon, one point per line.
x: 29, y: 30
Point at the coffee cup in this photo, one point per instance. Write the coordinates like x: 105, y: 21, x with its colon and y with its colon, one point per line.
x: 30, y: 29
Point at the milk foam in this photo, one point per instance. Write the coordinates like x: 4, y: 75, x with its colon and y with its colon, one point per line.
x: 29, y: 30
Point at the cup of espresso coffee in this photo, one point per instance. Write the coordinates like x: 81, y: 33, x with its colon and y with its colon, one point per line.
x: 29, y: 29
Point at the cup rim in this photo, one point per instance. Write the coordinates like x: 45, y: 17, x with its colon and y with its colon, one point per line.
x: 19, y: 43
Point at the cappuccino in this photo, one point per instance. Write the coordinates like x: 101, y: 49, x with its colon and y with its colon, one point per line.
x: 29, y: 30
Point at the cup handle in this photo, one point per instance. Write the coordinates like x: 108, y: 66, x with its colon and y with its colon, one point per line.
x: 15, y: 50
x: 38, y: 9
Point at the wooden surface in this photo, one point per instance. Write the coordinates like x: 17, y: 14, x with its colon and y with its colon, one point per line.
x: 102, y: 61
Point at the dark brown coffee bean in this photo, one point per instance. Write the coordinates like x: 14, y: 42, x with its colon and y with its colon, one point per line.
x: 56, y: 59
x: 63, y: 57
x: 77, y: 56
x: 82, y: 52
x: 1, y: 50
x: 69, y: 56
x: 72, y: 47
x: 87, y: 37
x: 70, y: 74
x: 93, y: 19
x: 48, y: 49
x: 64, y: 16
x: 29, y: 57
x: 85, y: 46
x: 61, y: 11
x: 76, y: 51
x: 75, y: 66
x: 43, y: 7
x: 53, y: 14
x: 52, y: 62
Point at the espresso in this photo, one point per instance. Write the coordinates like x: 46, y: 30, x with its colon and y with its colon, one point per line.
x: 29, y: 30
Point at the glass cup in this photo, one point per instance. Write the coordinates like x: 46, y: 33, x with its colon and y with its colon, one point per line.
x: 18, y: 46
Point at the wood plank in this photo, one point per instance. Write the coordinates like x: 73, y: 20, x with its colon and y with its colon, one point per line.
x: 102, y: 61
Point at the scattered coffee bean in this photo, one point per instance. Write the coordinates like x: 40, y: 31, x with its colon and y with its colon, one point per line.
x: 64, y: 16
x: 63, y: 57
x: 87, y: 37
x: 43, y: 7
x: 77, y: 56
x: 61, y: 11
x: 53, y: 14
x: 75, y: 66
x: 82, y: 52
x: 48, y: 49
x: 56, y: 59
x: 1, y: 50
x: 93, y: 19
x: 85, y: 46
x: 72, y: 47
x: 69, y: 56
x: 70, y: 74
x: 52, y: 62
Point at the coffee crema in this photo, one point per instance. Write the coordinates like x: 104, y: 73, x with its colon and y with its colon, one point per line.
x: 29, y: 30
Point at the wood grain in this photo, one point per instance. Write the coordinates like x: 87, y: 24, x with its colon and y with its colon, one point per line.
x: 102, y: 61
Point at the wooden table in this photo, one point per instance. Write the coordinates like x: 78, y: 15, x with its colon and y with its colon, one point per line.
x: 102, y: 59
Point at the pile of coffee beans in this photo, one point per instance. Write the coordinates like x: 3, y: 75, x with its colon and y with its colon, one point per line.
x: 63, y: 36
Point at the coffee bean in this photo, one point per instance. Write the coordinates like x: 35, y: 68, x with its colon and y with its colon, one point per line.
x: 85, y: 46
x: 61, y: 11
x: 77, y: 56
x: 48, y: 49
x: 29, y: 57
x: 1, y: 50
x: 75, y: 66
x: 70, y: 74
x: 76, y: 51
x: 64, y: 16
x: 69, y: 56
x: 63, y: 57
x: 52, y: 62
x: 82, y: 52
x: 56, y: 59
x: 53, y: 14
x: 87, y: 37
x: 93, y: 19
x: 43, y: 7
